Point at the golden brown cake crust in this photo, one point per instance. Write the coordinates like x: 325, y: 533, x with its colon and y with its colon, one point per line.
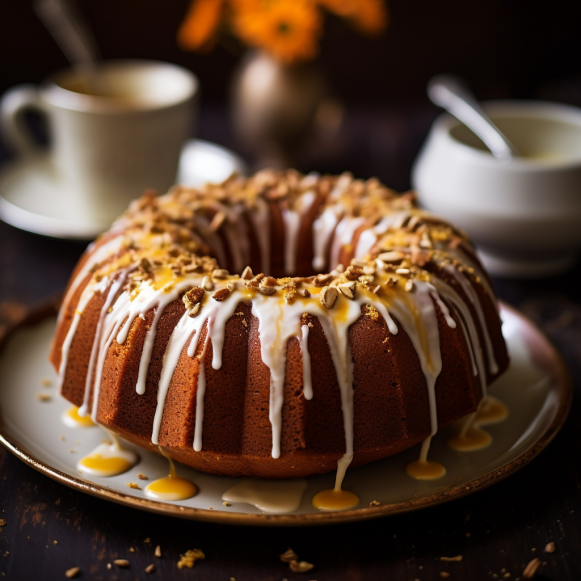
x: 416, y: 295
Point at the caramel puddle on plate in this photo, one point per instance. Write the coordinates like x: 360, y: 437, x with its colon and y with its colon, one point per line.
x: 336, y: 498
x: 470, y: 437
x: 108, y: 459
x: 72, y: 419
x: 271, y: 496
x: 171, y: 487
x: 424, y: 469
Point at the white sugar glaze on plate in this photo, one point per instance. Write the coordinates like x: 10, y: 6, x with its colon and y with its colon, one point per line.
x: 535, y: 388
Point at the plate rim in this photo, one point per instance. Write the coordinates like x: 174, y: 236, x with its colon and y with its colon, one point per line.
x: 565, y: 396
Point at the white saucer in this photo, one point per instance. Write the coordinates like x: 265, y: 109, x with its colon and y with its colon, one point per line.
x: 30, y: 190
x: 536, y: 390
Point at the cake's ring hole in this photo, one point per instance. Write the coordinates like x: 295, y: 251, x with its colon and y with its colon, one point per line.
x: 171, y: 487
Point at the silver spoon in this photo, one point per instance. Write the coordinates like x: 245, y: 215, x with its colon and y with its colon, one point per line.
x: 450, y: 93
x: 74, y: 38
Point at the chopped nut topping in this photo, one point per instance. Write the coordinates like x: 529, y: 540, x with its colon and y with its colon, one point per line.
x: 300, y: 566
x: 142, y: 476
x: 288, y: 556
x: 157, y: 551
x: 409, y: 285
x: 145, y: 266
x: 402, y: 271
x: 531, y: 569
x: 391, y: 282
x: 226, y: 503
x: 348, y: 289
x: 188, y: 560
x: 193, y: 299
x: 357, y: 262
x: 232, y: 285
x: 549, y: 547
x: 123, y: 563
x: 369, y: 270
x: 267, y: 290
x: 420, y: 257
x: 376, y: 289
x: 268, y: 281
x: 133, y: 485
x: 353, y: 273
x: 372, y: 312
x: 392, y: 256
x: 44, y: 397
x: 207, y: 283
x: 374, y: 503
x: 452, y: 559
x: 150, y: 568
x: 322, y: 279
x: 220, y: 273
x: 72, y: 572
x: 221, y: 294
x: 328, y: 296
x: 247, y: 274
x: 304, y: 293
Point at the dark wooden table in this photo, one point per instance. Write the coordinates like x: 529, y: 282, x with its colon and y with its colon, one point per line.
x: 51, y: 528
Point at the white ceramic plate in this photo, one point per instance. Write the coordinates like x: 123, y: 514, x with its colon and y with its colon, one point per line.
x: 30, y: 190
x: 536, y: 389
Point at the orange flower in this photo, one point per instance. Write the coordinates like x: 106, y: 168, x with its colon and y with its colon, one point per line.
x: 370, y: 16
x: 200, y: 24
x: 288, y: 29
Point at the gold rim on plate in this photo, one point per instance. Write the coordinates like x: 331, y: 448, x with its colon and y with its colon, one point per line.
x: 537, y: 341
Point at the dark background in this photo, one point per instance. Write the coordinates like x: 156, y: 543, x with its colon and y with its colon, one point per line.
x: 504, y: 48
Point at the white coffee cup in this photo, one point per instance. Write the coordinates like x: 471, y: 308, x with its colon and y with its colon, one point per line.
x: 525, y: 215
x: 110, y: 139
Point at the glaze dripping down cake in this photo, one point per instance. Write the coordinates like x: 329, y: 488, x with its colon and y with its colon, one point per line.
x: 356, y: 325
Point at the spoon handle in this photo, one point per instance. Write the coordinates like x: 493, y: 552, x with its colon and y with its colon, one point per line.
x: 450, y: 93
x: 71, y: 34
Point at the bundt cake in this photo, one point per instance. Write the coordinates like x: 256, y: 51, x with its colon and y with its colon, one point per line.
x: 369, y: 325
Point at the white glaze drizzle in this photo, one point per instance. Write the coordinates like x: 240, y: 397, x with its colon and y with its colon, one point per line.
x: 343, y: 236
x: 468, y: 289
x: 369, y: 236
x: 260, y: 217
x: 323, y: 228
x: 112, y: 293
x: 86, y: 296
x: 98, y: 255
x: 307, y: 380
x: 292, y: 224
x: 200, y: 393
